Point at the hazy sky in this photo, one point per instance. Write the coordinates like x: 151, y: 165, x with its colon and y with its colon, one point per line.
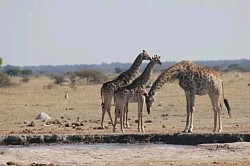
x: 58, y: 32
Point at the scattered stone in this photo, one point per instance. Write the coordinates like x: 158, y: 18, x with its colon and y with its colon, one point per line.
x: 67, y: 125
x: 26, y: 122
x: 12, y: 163
x: 148, y: 121
x: 93, y: 121
x: 48, y: 123
x: 98, y: 128
x: 27, y: 131
x: 163, y: 126
x: 56, y: 121
x: 78, y: 119
x: 75, y: 124
x: 164, y: 115
x: 69, y: 108
x: 32, y: 124
x: 43, y: 116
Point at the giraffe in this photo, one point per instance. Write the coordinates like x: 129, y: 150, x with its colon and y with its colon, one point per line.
x: 133, y: 93
x: 125, y: 78
x: 194, y: 80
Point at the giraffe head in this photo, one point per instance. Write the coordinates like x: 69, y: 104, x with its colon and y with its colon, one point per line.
x: 149, y: 99
x: 156, y: 59
x: 145, y: 56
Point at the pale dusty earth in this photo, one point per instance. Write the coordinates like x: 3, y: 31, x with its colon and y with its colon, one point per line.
x: 204, y: 154
x: 20, y: 104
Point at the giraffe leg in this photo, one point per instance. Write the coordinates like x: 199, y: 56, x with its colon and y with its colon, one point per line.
x: 104, y: 108
x: 115, y: 120
x: 192, y: 110
x: 188, y: 114
x: 219, y: 120
x: 190, y: 130
x: 126, y: 125
x: 212, y: 98
x: 218, y: 107
x: 140, y: 112
x: 109, y: 113
x: 215, y: 119
x: 122, y: 119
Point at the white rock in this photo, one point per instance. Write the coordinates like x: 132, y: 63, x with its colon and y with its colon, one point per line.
x: 43, y: 116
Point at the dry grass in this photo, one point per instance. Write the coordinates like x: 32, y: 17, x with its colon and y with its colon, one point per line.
x: 25, y: 101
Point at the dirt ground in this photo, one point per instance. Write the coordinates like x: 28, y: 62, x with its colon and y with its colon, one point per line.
x: 141, y: 155
x: 81, y: 113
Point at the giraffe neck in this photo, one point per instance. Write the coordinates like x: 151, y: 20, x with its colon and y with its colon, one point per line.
x: 134, y: 68
x: 142, y: 80
x: 168, y: 75
x: 131, y: 73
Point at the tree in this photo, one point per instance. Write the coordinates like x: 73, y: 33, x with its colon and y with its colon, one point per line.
x: 27, y: 72
x: 92, y: 76
x: 217, y: 68
x: 13, y: 72
x: 58, y: 79
x: 118, y: 70
x: 1, y: 61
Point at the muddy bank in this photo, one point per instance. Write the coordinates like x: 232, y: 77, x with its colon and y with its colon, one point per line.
x: 177, y: 138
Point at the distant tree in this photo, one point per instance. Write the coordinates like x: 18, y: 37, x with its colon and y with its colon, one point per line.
x: 1, y: 61
x: 235, y: 67
x: 217, y: 68
x: 14, y: 72
x: 26, y: 72
x: 92, y: 76
x: 58, y: 79
x: 118, y: 70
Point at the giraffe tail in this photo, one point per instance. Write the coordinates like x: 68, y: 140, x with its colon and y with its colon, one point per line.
x: 102, y: 99
x: 228, y: 107
x: 227, y: 103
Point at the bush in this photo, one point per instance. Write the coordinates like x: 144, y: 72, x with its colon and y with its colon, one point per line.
x: 25, y: 79
x: 26, y: 72
x: 58, y: 79
x: 4, y: 80
x: 92, y: 76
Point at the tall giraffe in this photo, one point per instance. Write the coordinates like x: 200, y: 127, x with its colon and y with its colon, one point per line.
x: 125, y: 78
x: 133, y: 93
x: 194, y: 80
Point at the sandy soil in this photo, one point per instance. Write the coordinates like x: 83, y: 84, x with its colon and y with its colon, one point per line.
x: 207, y: 154
x: 20, y: 105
